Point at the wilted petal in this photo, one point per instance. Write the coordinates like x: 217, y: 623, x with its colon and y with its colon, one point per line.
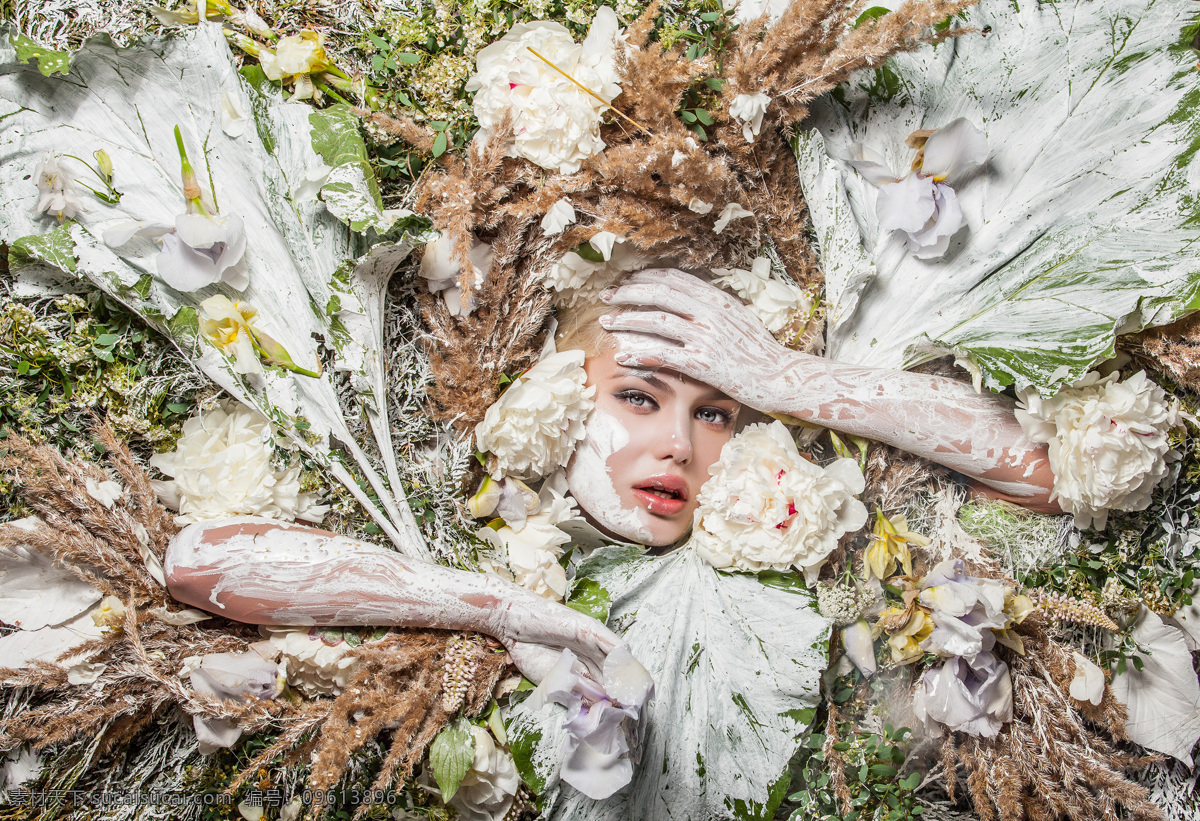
x: 869, y: 164
x: 560, y: 215
x: 626, y: 680
x: 123, y: 232
x: 954, y: 149
x: 728, y: 214
x: 860, y: 649
x: 234, y: 115
x: 934, y: 240
x: 184, y: 268
x: 603, y: 242
x: 1088, y: 683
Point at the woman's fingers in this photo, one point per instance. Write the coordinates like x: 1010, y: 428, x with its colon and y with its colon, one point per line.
x: 655, y: 323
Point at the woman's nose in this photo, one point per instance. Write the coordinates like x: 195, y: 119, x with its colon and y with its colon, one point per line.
x: 676, y: 444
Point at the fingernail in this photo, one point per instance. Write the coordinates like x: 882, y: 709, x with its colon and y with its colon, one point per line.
x: 607, y: 294
x: 606, y: 320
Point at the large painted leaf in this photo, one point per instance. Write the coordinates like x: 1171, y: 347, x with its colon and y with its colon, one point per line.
x: 736, y: 662
x: 301, y: 256
x: 1082, y: 225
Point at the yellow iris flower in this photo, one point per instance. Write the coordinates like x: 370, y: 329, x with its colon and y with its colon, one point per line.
x: 889, y: 546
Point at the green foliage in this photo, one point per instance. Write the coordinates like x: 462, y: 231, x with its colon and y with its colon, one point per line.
x: 706, y: 29
x: 587, y: 596
x: 48, y: 60
x: 872, y: 764
x: 451, y: 755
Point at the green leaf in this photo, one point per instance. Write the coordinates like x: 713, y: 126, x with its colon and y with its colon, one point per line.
x: 587, y: 596
x: 48, y: 61
x: 407, y: 58
x: 715, y: 83
x: 451, y: 755
x: 439, y: 144
x: 703, y: 116
x: 55, y: 248
x: 588, y: 252
x: 710, y: 16
x: 351, y: 192
x: 873, y: 13
x: 911, y: 781
x: 688, y: 116
x: 741, y: 662
x: 1083, y: 224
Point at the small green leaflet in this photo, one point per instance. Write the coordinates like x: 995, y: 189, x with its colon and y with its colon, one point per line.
x: 48, y: 61
x: 588, y: 597
x: 451, y: 755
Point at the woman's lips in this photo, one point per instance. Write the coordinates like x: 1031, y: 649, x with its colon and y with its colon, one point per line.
x: 664, y: 495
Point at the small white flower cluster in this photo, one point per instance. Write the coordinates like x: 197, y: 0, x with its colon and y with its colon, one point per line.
x: 314, y: 664
x: 774, y: 301
x: 461, y: 661
x: 532, y: 429
x: 842, y: 604
x: 1108, y: 442
x: 556, y: 124
x: 222, y: 466
x: 768, y: 507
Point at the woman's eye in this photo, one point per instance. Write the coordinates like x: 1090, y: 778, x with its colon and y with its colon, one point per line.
x: 637, y: 399
x: 714, y: 416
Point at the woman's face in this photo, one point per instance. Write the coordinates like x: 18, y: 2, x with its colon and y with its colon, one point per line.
x: 650, y: 440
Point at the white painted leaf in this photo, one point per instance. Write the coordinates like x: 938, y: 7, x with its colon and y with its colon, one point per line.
x: 37, y: 593
x: 128, y: 102
x: 736, y: 664
x: 1081, y: 225
x: 1163, y: 698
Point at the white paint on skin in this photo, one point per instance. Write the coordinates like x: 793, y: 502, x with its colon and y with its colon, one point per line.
x: 590, y: 479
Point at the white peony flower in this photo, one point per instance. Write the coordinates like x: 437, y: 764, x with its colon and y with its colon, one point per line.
x: 222, y: 466
x: 486, y: 792
x: 774, y: 301
x: 560, y: 215
x: 533, y: 427
x: 533, y: 549
x: 1108, y: 442
x: 728, y: 214
x: 555, y: 123
x: 767, y: 507
x: 59, y: 193
x: 576, y: 279
x: 748, y: 109
x: 313, y: 665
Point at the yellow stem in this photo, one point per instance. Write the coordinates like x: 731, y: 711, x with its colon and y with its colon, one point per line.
x: 589, y: 91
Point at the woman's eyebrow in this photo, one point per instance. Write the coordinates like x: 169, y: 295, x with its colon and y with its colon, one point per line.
x: 652, y: 379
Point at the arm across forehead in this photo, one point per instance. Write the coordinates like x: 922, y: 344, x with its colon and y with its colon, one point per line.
x: 679, y: 322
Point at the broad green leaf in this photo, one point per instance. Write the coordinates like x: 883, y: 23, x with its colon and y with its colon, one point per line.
x: 351, y: 192
x: 873, y: 13
x: 55, y: 249
x: 736, y: 666
x: 1082, y: 225
x: 128, y: 103
x: 48, y: 60
x: 450, y: 756
x: 587, y: 596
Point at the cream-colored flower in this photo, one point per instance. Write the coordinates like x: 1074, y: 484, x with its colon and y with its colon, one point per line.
x: 556, y: 124
x: 313, y: 665
x: 230, y: 326
x: 442, y: 272
x: 533, y: 427
x: 767, y: 507
x: 1108, y: 442
x: 294, y: 59
x: 110, y: 614
x: 906, y: 628
x: 748, y: 109
x: 222, y: 466
x: 486, y: 792
x: 889, y: 546
x: 774, y: 301
x: 533, y: 550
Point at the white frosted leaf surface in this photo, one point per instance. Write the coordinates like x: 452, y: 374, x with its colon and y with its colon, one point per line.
x: 736, y: 665
x: 1083, y: 222
x: 128, y: 102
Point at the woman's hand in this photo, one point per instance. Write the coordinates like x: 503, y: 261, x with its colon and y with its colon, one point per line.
x: 686, y: 325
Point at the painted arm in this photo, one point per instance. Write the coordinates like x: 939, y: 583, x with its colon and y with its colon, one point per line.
x: 691, y: 327
x: 261, y: 571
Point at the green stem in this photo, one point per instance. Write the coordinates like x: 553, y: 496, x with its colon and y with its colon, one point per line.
x: 325, y: 89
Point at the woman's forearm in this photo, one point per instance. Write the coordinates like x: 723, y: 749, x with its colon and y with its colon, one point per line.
x: 940, y: 419
x: 260, y: 571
